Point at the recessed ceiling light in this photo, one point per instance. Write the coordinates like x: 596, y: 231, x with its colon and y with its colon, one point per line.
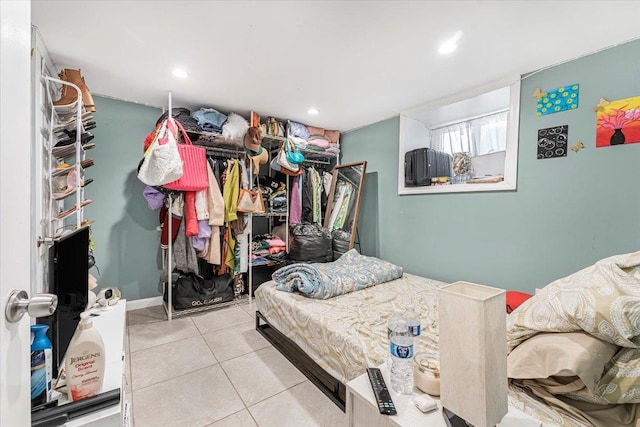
x: 312, y: 111
x: 180, y: 73
x: 450, y: 45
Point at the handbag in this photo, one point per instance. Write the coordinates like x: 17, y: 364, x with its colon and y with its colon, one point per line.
x: 276, y: 167
x: 194, y: 164
x: 251, y: 201
x: 283, y: 160
x: 191, y: 291
x: 294, y: 155
x: 161, y: 163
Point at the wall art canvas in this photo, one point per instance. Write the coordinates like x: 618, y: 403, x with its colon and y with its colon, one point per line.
x: 561, y: 99
x: 552, y: 142
x: 618, y: 122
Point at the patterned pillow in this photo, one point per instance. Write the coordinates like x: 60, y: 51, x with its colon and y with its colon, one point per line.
x: 602, y: 300
x: 621, y: 380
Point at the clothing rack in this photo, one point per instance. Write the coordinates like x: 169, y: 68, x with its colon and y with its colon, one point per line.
x: 168, y: 305
x: 317, y: 162
x: 222, y: 152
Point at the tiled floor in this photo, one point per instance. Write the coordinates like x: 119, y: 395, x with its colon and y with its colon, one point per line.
x: 213, y: 369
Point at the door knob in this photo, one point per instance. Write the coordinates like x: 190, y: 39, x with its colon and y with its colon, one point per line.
x: 41, y: 305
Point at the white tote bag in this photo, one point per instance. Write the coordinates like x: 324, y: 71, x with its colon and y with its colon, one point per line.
x: 282, y: 160
x: 162, y: 163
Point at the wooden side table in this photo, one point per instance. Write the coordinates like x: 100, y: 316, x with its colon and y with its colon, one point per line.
x: 363, y: 412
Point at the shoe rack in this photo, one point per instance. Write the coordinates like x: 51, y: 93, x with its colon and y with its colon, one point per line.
x: 66, y: 157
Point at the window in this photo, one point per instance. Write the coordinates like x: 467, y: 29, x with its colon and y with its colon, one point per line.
x: 476, y: 136
x: 463, y: 144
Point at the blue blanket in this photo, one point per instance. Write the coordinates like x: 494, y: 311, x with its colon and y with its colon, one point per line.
x: 351, y: 272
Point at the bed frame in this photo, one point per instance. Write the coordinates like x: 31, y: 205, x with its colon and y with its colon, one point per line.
x: 331, y: 387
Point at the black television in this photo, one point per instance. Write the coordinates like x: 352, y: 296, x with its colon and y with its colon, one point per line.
x: 69, y: 280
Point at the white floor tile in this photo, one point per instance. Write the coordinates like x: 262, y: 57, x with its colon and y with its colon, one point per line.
x: 166, y: 361
x: 239, y: 419
x: 235, y: 341
x: 196, y: 399
x: 220, y: 319
x: 301, y: 405
x: 261, y: 374
x: 148, y: 335
x: 146, y: 315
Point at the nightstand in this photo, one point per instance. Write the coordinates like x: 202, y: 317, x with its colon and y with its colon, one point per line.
x: 363, y: 412
x: 110, y: 323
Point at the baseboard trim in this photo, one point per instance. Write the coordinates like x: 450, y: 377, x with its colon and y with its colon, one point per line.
x: 143, y: 303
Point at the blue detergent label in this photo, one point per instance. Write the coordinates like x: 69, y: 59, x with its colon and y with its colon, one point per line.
x: 414, y: 330
x: 401, y: 351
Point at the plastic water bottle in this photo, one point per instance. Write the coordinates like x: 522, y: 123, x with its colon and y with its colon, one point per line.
x: 401, y: 348
x: 393, y: 320
x: 413, y: 321
x: 391, y: 325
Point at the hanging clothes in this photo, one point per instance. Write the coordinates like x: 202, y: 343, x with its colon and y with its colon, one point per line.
x: 295, y: 210
x: 202, y: 210
x: 230, y: 192
x: 316, y: 185
x: 228, y: 248
x: 184, y: 256
x: 190, y: 216
x: 212, y: 251
x: 307, y: 197
x: 343, y: 211
x: 327, y: 179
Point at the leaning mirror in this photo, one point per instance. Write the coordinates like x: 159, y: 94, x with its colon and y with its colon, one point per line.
x: 341, y: 216
x: 461, y: 144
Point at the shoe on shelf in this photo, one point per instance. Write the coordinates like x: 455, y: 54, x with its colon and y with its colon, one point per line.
x: 84, y: 138
x: 65, y: 133
x: 87, y: 117
x: 69, y: 95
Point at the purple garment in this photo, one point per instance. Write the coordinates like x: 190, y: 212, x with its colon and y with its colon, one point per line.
x: 204, y: 229
x: 204, y: 233
x: 155, y: 199
x: 295, y: 212
x: 198, y: 243
x: 333, y: 149
x: 299, y: 130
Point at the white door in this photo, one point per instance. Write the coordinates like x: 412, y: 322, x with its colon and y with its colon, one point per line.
x: 16, y: 230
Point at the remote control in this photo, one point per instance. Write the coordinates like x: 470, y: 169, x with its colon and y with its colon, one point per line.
x: 383, y: 398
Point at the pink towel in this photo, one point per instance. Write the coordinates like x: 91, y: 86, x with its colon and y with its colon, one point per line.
x: 275, y: 242
x: 322, y: 143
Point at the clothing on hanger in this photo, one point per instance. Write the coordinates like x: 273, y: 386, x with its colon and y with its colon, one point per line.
x: 295, y: 210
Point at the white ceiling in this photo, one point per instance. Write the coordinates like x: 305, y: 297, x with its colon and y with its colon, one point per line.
x: 357, y: 62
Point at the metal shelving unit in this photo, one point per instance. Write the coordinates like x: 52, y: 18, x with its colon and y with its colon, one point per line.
x: 216, y: 144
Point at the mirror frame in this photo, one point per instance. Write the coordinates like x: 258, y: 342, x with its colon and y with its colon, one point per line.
x: 334, y: 181
x: 511, y: 155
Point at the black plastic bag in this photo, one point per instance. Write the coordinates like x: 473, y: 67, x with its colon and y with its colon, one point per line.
x: 310, y: 243
x: 340, y: 243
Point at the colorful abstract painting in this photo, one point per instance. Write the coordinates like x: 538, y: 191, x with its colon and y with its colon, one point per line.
x: 552, y: 142
x: 618, y: 122
x: 560, y: 99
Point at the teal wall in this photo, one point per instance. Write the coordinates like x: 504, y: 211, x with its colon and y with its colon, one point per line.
x: 566, y: 213
x: 124, y: 231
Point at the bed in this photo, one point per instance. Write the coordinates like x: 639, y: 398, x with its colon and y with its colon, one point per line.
x: 334, y: 340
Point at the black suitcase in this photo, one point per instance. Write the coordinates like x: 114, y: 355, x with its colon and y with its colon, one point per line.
x: 422, y: 164
x: 409, y: 169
